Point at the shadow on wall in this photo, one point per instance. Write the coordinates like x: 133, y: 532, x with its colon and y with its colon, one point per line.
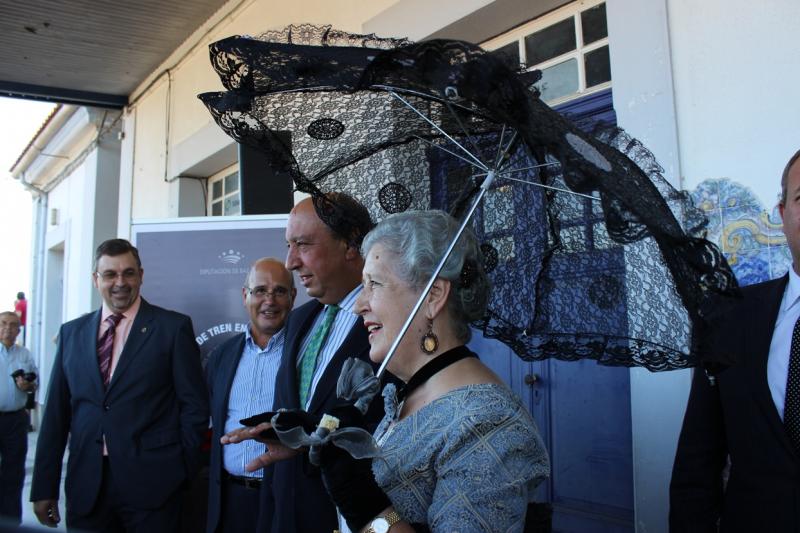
x: 748, y: 234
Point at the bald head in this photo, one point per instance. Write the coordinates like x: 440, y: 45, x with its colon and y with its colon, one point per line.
x: 268, y: 295
x: 271, y: 264
x: 9, y: 328
x: 785, y: 175
x: 328, y: 265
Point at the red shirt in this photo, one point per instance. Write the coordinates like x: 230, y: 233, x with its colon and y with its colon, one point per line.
x: 21, y: 308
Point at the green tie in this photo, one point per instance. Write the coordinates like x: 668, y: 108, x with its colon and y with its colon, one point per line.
x: 309, y: 361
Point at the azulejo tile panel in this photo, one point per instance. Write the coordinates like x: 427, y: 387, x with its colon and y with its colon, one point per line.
x: 749, y: 235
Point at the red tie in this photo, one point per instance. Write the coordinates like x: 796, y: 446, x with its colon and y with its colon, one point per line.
x: 105, y: 347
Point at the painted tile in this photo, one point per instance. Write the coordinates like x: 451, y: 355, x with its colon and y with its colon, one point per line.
x: 748, y: 234
x: 780, y: 259
x: 751, y: 266
x: 706, y: 195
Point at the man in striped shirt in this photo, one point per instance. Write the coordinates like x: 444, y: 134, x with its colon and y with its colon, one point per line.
x: 241, y: 382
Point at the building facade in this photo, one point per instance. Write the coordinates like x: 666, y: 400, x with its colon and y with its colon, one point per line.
x: 707, y: 86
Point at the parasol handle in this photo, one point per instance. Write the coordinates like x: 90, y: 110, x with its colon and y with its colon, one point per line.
x: 487, y: 182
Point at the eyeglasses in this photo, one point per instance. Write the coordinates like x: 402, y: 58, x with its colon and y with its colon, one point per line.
x: 262, y: 292
x: 126, y: 275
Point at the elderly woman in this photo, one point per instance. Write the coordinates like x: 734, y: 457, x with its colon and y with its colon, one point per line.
x: 459, y: 451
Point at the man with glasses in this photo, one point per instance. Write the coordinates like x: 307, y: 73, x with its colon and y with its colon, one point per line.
x: 127, y: 390
x: 17, y: 377
x: 320, y: 336
x: 241, y: 381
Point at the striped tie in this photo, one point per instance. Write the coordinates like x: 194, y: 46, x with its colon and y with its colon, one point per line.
x: 309, y: 361
x: 105, y: 347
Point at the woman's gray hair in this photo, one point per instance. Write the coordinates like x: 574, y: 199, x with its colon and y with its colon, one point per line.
x: 417, y: 240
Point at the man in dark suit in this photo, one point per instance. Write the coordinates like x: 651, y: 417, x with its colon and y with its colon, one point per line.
x: 320, y: 336
x: 127, y: 390
x: 241, y: 383
x: 745, y: 420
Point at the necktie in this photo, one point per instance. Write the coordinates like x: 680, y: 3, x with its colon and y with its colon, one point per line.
x: 309, y: 361
x: 791, y: 409
x: 105, y: 347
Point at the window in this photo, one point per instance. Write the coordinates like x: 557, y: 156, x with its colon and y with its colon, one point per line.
x: 569, y: 46
x: 224, y: 198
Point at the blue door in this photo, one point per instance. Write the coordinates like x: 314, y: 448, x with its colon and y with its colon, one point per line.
x: 582, y: 410
x: 583, y: 413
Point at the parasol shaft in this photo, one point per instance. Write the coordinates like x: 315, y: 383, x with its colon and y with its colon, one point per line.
x: 393, y: 348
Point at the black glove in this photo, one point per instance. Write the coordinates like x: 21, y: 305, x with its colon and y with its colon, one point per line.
x: 349, y: 481
x: 296, y: 418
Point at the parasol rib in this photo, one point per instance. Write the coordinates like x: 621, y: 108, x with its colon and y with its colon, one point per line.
x: 478, y: 162
x: 454, y: 154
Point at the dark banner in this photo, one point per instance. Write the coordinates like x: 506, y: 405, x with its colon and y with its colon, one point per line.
x: 199, y: 270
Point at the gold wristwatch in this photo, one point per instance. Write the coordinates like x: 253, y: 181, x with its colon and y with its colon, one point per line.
x: 383, y: 523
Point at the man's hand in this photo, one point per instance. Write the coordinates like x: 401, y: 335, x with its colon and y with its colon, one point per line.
x: 47, y: 512
x: 23, y: 384
x: 275, y: 452
x: 247, y: 433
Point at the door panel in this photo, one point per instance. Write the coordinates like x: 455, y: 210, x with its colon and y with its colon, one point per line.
x: 582, y: 410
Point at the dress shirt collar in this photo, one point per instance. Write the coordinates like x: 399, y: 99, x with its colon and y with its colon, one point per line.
x: 348, y: 303
x: 276, y: 338
x: 790, y: 298
x: 129, y: 313
x: 6, y: 349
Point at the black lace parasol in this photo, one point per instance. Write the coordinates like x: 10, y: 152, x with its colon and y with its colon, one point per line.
x: 592, y: 254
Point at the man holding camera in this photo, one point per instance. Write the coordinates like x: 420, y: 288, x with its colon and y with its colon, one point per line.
x: 17, y: 377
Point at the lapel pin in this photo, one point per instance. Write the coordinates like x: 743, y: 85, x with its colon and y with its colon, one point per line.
x: 144, y: 329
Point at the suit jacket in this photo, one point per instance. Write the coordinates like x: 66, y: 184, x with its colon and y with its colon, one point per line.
x: 737, y: 417
x: 153, y: 414
x: 301, y: 502
x: 220, y: 371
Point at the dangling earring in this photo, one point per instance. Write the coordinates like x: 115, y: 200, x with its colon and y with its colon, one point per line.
x: 430, y: 342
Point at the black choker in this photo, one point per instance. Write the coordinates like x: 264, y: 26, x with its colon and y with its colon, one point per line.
x: 432, y: 367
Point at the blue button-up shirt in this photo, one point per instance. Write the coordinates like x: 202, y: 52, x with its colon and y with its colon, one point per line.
x: 252, y: 392
x: 11, y: 360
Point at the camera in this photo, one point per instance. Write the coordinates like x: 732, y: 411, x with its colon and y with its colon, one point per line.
x: 27, y: 376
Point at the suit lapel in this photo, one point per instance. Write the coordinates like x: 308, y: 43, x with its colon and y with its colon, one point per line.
x: 141, y: 329
x: 354, y: 344
x: 762, y: 326
x: 299, y: 325
x: 88, y: 351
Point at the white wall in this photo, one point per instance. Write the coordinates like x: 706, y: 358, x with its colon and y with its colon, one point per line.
x: 736, y: 72
x: 73, y: 199
x: 645, y: 107
x: 172, y: 99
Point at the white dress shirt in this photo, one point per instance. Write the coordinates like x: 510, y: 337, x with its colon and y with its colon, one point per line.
x: 778, y: 362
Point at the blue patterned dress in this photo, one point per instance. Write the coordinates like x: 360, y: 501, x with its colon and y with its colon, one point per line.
x: 467, y: 461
